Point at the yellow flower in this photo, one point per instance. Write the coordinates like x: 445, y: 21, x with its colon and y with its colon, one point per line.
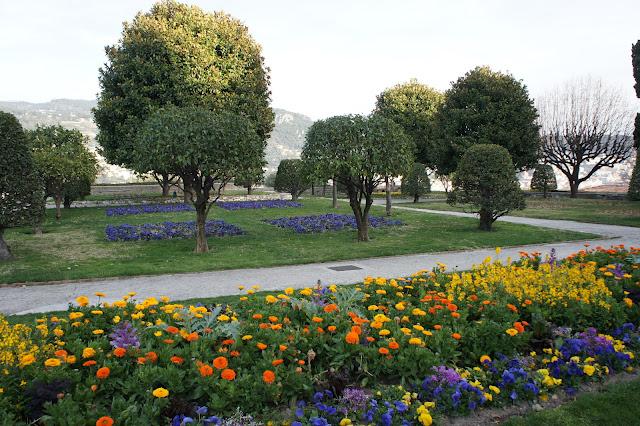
x: 485, y: 358
x: 498, y: 250
x: 98, y: 331
x: 100, y: 294
x: 270, y: 299
x: 288, y: 291
x: 247, y: 337
x: 88, y: 353
x: 75, y: 315
x: 27, y: 360
x: 96, y: 312
x: 223, y: 317
x: 345, y: 422
x: 82, y: 300
x: 511, y: 332
x: 52, y: 362
x: 494, y: 389
x: 415, y: 341
x: 116, y: 319
x: 58, y: 332
x: 384, y: 332
x: 160, y: 393
x: 589, y: 370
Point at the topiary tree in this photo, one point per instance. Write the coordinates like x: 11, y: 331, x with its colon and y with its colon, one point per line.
x: 76, y: 190
x: 486, y: 183
x: 486, y: 107
x: 250, y: 178
x: 543, y: 179
x: 202, y: 147
x: 634, y: 184
x: 179, y: 55
x: 292, y: 177
x: 62, y: 160
x: 21, y: 192
x: 358, y: 152
x: 416, y: 183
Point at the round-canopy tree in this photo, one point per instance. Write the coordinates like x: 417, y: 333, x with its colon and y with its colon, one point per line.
x: 359, y: 152
x: 249, y: 178
x: 486, y: 183
x: 203, y: 148
x: 62, y: 159
x: 178, y: 55
x: 416, y: 183
x: 544, y: 179
x: 487, y: 107
x: 21, y: 194
x: 292, y: 177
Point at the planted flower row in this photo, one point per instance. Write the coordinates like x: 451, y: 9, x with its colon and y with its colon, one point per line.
x: 168, y: 230
x: 387, y: 351
x: 149, y: 208
x: 258, y: 204
x: 328, y: 222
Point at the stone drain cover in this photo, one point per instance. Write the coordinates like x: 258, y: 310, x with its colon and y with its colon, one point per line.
x: 344, y: 268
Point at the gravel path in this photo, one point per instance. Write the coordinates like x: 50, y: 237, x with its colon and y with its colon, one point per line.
x: 42, y: 298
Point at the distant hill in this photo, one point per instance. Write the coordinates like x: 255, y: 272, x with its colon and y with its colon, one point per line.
x: 287, y: 137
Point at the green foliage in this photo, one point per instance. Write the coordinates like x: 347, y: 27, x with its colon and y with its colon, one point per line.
x: 416, y: 183
x: 359, y: 152
x: 63, y: 161
x: 248, y: 178
x: 633, y: 193
x: 292, y: 177
x: 543, y: 179
x: 270, y: 180
x: 486, y: 182
x: 413, y: 105
x: 21, y: 196
x: 487, y: 107
x: 178, y: 55
x: 634, y: 183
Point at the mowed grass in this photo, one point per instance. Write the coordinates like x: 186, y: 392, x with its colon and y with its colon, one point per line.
x: 611, y: 212
x: 75, y: 247
x: 615, y: 404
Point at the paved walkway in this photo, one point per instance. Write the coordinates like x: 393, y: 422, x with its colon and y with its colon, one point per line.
x: 42, y: 298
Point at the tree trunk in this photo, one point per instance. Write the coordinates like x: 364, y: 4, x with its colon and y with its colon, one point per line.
x: 313, y: 190
x: 324, y: 189
x: 5, y: 253
x: 37, y: 228
x: 67, y: 202
x: 486, y: 220
x: 334, y: 194
x: 165, y: 186
x: 201, y: 238
x: 188, y: 196
x: 573, y: 186
x: 294, y: 196
x: 249, y: 189
x: 544, y: 190
x: 387, y: 190
x: 58, y: 201
x: 416, y: 198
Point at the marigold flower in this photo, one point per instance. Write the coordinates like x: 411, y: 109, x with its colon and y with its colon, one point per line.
x: 104, y: 421
x: 268, y: 376
x: 172, y: 330
x: 160, y: 393
x: 261, y: 346
x: 330, y: 308
x: 277, y: 362
x: 205, y: 370
x: 228, y: 342
x: 282, y: 347
x: 119, y: 352
x: 394, y: 345
x: 316, y: 319
x: 82, y: 300
x: 89, y: 363
x: 511, y: 332
x: 331, y: 328
x: 352, y: 338
x: 220, y: 363
x: 456, y: 336
x: 234, y: 353
x: 383, y: 351
x: 177, y: 360
x: 192, y: 337
x: 52, y: 362
x: 88, y: 353
x: 27, y: 360
x: 437, y: 327
x: 228, y: 374
x: 103, y: 372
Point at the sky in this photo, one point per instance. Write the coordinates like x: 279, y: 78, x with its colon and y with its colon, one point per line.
x: 333, y: 57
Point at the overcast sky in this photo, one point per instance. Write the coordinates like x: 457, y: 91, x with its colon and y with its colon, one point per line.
x: 332, y: 57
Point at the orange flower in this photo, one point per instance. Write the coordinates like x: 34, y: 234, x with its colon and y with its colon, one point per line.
x: 220, y: 363
x: 316, y: 319
x: 486, y: 302
x: 205, y: 370
x: 228, y: 374
x: 455, y: 314
x: 277, y: 362
x: 168, y: 341
x: 177, y: 360
x: 173, y: 330
x: 192, y: 337
x: 268, y: 377
x: 94, y: 388
x: 119, y: 352
x: 141, y: 360
x: 394, y: 345
x: 234, y: 353
x: 456, y: 336
x: 383, y: 351
x: 352, y: 338
x: 103, y: 372
x: 512, y: 308
x: 437, y: 327
x: 356, y: 329
x: 257, y: 316
x: 370, y: 339
x: 273, y: 319
x: 261, y: 346
x: 452, y: 307
x: 104, y: 421
x: 331, y: 307
x: 152, y: 356
x: 518, y: 326
x: 331, y: 328
x: 228, y: 342
x: 301, y: 362
x: 61, y: 353
x: 89, y: 363
x: 282, y: 348
x: 320, y: 330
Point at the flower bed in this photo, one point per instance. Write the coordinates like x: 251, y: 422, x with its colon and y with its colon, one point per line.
x: 168, y: 230
x: 258, y: 204
x: 328, y: 222
x: 149, y: 208
x: 386, y: 351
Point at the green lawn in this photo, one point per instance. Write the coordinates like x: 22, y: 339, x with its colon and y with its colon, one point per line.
x: 612, y: 212
x: 75, y: 247
x: 615, y: 404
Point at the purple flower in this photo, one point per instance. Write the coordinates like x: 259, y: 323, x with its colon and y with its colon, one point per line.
x: 328, y: 222
x: 148, y: 208
x: 124, y: 335
x: 168, y: 230
x: 260, y: 204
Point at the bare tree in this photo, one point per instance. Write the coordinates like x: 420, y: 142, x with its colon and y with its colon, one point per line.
x: 584, y: 123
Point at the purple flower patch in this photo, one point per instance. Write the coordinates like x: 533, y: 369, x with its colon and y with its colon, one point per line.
x: 328, y: 222
x: 168, y: 230
x: 260, y: 204
x: 148, y: 208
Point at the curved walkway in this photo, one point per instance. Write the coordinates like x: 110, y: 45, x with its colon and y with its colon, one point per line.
x: 42, y: 298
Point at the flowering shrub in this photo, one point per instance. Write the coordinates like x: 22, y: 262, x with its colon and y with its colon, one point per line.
x: 148, y: 208
x: 259, y: 204
x: 168, y: 230
x: 386, y: 351
x: 328, y: 222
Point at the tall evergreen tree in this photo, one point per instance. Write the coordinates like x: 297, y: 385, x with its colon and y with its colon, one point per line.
x: 634, y: 184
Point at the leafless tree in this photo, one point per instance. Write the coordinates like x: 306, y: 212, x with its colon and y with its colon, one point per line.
x: 584, y: 123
